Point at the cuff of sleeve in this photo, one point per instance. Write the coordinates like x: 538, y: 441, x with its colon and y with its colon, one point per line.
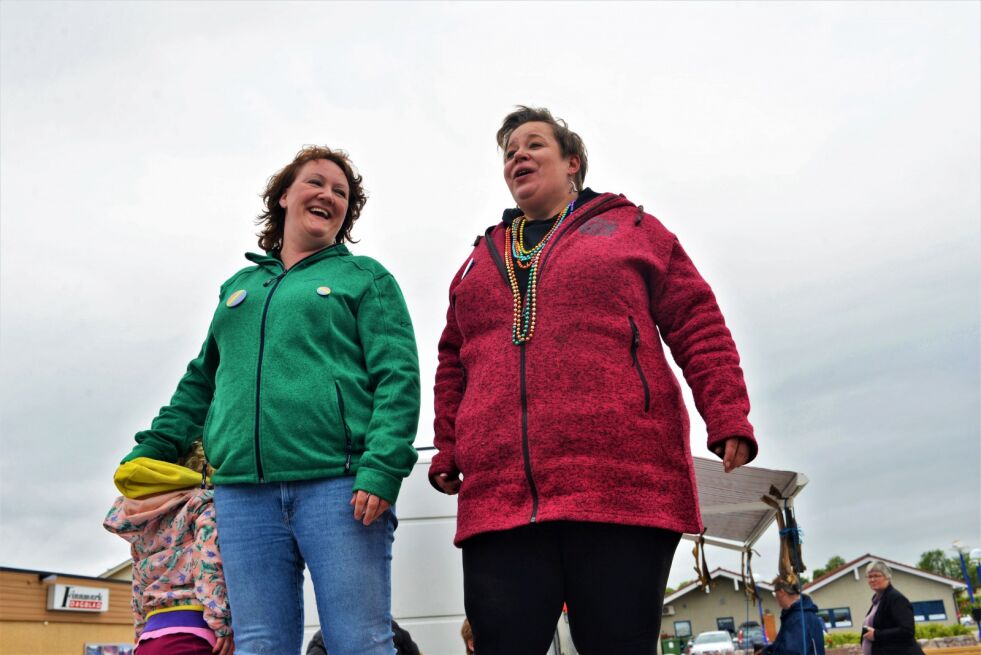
x: 378, y: 483
x: 140, y: 450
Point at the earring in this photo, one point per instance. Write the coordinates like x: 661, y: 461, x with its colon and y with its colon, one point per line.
x: 572, y: 185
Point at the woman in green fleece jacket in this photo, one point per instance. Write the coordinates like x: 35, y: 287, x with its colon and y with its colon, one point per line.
x: 307, y: 393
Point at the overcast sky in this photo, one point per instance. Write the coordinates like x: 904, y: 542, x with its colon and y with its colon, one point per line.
x: 820, y: 163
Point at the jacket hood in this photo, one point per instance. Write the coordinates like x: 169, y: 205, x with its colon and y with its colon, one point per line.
x: 587, y: 198
x: 142, y: 476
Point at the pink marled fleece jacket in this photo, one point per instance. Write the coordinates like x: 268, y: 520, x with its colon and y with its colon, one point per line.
x: 586, y: 422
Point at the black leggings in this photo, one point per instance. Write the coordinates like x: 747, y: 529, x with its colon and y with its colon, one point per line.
x: 611, y: 577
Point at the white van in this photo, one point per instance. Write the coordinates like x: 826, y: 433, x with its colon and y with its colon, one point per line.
x: 427, y: 571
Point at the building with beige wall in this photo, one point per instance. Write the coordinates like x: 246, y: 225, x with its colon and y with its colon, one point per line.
x: 723, y: 606
x: 844, y: 597
x: 44, y: 613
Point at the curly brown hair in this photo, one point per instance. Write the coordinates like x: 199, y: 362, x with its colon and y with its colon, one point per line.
x: 570, y: 143
x: 195, y: 459
x: 273, y: 219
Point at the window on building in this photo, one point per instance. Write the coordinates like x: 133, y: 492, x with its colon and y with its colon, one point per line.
x: 836, y: 617
x: 726, y: 623
x: 682, y: 628
x: 929, y: 610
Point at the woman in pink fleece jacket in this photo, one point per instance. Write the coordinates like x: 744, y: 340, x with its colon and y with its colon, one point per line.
x: 558, y: 419
x: 179, y: 602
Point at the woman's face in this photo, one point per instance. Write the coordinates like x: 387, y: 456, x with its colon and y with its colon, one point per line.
x: 535, y: 171
x: 315, y: 204
x: 877, y: 581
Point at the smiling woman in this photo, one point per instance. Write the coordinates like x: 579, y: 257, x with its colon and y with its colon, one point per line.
x: 307, y: 393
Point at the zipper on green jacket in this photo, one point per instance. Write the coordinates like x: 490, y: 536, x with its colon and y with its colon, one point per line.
x: 274, y: 281
x: 258, y: 374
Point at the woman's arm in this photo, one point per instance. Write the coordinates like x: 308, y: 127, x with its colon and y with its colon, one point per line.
x: 182, y: 420
x: 448, y: 393
x: 389, y: 344
x: 692, y: 325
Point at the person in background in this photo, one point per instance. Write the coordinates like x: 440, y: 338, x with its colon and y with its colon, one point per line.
x: 801, y: 629
x: 180, y: 604
x: 307, y: 393
x: 558, y: 419
x: 889, y: 627
x: 467, y: 633
x: 402, y: 641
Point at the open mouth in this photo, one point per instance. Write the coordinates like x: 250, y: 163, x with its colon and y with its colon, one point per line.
x: 521, y: 172
x: 322, y: 213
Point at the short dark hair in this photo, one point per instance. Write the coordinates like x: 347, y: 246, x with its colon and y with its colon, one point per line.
x: 273, y: 219
x: 787, y: 586
x: 570, y: 143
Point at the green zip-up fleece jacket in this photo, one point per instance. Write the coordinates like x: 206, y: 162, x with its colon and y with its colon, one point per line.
x: 305, y: 374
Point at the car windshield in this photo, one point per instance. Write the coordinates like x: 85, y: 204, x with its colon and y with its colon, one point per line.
x: 711, y: 637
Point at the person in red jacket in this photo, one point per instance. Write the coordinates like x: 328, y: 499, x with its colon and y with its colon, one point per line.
x: 558, y: 420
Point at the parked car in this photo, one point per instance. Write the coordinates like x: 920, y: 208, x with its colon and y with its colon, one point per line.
x: 750, y: 636
x: 717, y: 641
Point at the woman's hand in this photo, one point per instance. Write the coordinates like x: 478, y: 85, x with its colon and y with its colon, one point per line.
x: 368, y: 507
x: 224, y: 645
x: 734, y: 454
x: 448, y: 485
x: 869, y: 634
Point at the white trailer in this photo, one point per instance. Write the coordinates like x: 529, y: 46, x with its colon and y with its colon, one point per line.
x: 427, y: 569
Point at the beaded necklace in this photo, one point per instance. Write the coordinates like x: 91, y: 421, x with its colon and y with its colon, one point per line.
x: 516, y: 254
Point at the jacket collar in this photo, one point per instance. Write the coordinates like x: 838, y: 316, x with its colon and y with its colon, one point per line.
x: 271, y: 258
x: 583, y: 199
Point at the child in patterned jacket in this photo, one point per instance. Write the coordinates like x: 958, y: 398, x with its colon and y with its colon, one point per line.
x: 179, y: 599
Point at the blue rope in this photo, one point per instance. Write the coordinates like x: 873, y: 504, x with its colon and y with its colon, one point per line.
x: 797, y: 532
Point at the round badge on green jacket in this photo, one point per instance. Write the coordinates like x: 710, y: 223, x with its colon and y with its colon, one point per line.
x: 236, y: 298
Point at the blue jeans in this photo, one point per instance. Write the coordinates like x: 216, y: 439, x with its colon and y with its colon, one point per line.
x: 267, y: 532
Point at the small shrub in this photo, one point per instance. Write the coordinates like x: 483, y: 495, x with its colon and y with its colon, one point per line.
x: 839, y: 639
x: 937, y: 630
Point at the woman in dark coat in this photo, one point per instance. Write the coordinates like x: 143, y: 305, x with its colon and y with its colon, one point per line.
x: 888, y: 628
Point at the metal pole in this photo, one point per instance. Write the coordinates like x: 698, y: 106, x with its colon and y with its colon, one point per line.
x: 967, y: 576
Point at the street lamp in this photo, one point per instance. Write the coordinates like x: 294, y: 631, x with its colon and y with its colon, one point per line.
x: 959, y: 547
x: 975, y: 555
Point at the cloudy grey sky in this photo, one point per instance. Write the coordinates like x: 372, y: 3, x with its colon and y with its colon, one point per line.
x: 820, y: 162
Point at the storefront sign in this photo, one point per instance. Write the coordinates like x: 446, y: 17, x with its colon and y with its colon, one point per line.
x: 70, y: 598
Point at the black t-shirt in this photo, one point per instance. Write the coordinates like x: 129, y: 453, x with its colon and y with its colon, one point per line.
x: 535, y: 231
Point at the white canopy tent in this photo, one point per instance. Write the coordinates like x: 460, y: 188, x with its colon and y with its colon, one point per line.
x: 733, y: 511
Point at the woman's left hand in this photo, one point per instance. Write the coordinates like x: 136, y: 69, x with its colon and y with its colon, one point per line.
x: 869, y: 634
x: 735, y: 454
x: 368, y: 507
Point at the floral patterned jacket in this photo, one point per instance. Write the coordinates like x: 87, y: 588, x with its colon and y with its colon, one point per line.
x: 176, y: 562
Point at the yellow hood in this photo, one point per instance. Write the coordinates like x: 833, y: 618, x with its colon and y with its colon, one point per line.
x: 142, y: 477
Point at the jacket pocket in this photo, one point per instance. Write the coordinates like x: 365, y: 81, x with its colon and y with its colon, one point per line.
x: 348, y: 442
x: 634, y: 347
